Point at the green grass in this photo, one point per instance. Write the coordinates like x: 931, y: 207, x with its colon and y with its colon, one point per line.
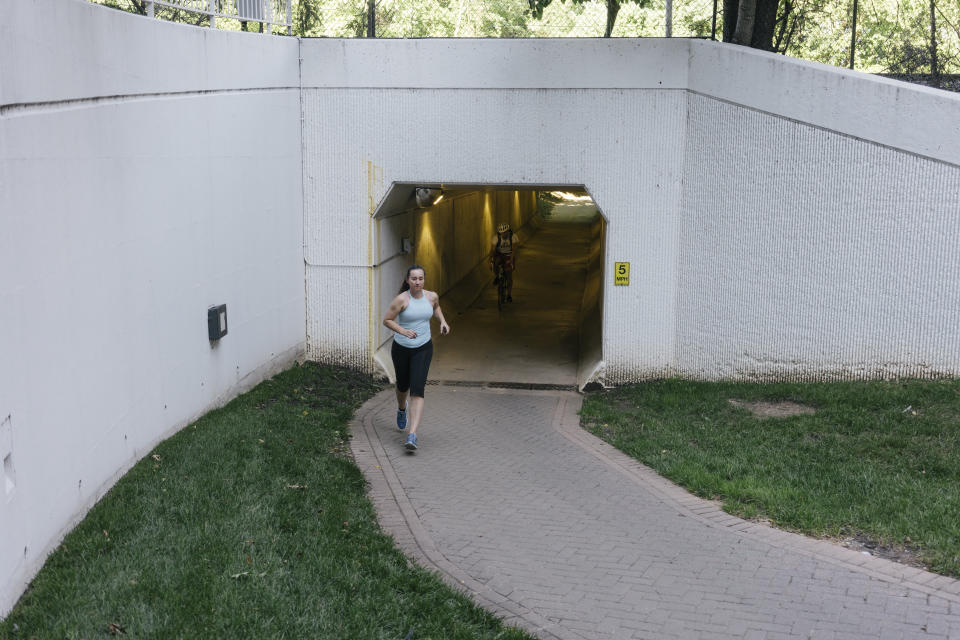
x: 209, y: 536
x: 863, y: 465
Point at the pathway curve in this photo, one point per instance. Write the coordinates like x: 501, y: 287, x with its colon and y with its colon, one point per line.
x: 555, y: 531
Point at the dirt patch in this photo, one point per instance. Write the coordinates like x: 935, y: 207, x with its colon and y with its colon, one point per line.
x: 783, y: 409
x: 903, y: 555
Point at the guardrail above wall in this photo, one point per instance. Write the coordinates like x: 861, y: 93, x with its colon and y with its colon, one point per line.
x: 268, y: 12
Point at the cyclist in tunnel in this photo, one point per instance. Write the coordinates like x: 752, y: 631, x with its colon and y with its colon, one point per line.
x: 502, y: 255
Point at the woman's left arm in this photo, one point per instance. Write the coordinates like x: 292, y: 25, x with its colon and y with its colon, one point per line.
x: 437, y: 311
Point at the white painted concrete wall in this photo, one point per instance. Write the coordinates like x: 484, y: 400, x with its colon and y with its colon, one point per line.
x: 147, y: 171
x: 779, y: 216
x: 907, y: 117
x: 820, y: 223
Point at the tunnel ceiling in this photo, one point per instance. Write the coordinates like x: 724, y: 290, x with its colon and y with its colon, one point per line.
x: 401, y: 197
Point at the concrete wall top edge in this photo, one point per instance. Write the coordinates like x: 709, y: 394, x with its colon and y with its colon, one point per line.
x: 160, y: 57
x: 115, y: 53
x: 897, y: 114
x: 440, y: 63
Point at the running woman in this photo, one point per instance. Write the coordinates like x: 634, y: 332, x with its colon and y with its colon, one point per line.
x: 409, y: 318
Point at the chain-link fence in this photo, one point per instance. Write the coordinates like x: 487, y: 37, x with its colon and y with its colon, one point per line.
x: 913, y: 40
x: 496, y: 19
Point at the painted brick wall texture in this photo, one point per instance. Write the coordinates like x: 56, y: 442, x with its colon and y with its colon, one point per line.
x: 807, y: 253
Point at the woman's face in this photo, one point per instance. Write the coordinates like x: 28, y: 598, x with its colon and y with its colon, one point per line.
x: 415, y: 280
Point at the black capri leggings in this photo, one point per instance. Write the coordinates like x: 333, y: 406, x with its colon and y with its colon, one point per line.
x: 411, y: 366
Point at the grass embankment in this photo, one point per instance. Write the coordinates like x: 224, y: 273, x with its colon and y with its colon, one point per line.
x: 250, y: 523
x: 877, y: 461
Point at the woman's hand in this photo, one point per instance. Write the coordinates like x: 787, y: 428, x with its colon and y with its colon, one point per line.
x: 435, y: 300
x: 410, y: 333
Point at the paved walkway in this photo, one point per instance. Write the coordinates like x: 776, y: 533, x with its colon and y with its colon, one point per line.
x: 557, y: 532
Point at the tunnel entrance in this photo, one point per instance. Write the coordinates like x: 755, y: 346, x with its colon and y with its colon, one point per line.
x: 550, y: 334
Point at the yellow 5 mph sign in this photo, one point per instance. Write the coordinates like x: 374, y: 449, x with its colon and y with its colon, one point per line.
x: 621, y: 273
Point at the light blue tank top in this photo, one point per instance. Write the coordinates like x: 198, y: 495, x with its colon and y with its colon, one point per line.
x: 416, y: 317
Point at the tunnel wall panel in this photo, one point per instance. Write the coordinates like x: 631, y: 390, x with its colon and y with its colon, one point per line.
x: 474, y: 218
x: 436, y: 245
x: 391, y: 265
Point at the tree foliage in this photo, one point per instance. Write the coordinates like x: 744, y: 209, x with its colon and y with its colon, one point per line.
x: 612, y: 6
x: 892, y: 36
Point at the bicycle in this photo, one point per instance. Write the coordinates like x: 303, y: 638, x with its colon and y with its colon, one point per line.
x: 500, y: 276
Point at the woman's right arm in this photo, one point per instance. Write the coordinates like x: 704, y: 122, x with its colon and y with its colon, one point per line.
x: 390, y: 319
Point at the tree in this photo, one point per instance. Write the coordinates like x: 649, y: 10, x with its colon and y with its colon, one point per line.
x: 751, y: 22
x: 913, y: 39
x: 613, y: 8
x: 306, y: 18
x: 331, y: 18
x: 934, y: 66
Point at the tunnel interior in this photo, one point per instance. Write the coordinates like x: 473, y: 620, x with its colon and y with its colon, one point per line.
x: 550, y: 334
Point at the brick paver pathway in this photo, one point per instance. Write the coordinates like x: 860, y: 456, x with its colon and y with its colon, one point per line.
x: 557, y: 532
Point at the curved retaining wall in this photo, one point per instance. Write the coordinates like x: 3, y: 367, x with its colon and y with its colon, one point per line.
x: 147, y: 171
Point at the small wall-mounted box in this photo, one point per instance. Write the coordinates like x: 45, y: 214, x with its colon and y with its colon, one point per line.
x: 217, y: 321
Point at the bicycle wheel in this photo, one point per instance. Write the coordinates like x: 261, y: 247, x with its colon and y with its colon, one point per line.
x: 501, y: 288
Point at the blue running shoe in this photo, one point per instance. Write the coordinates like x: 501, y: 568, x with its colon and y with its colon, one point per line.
x: 401, y: 419
x: 411, y: 442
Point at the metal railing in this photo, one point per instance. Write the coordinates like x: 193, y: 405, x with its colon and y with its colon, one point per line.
x: 270, y: 13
